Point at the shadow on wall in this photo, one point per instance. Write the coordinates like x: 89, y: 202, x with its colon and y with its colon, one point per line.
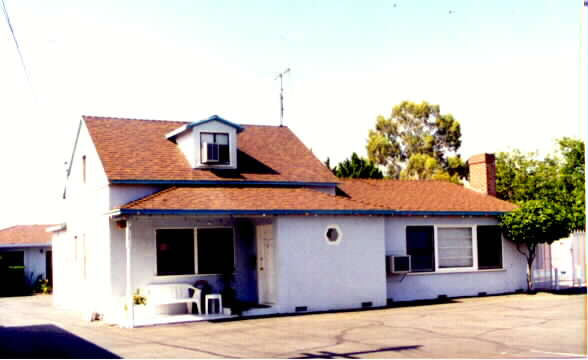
x: 352, y: 355
x: 47, y: 342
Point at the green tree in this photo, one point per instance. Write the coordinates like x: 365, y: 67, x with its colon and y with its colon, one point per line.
x: 574, y: 180
x: 414, y: 134
x: 357, y: 168
x: 533, y: 223
x: 558, y: 179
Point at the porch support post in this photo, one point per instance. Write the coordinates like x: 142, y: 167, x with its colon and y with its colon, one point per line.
x: 129, y: 268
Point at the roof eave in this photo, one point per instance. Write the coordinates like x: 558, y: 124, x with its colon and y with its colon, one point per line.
x: 240, y: 212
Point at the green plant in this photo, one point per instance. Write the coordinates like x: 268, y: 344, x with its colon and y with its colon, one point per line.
x: 43, y: 286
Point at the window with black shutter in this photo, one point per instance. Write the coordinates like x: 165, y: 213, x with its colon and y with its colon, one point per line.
x: 489, y: 247
x: 420, y: 246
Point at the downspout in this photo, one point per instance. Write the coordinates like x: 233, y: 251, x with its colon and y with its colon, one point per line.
x: 129, y: 288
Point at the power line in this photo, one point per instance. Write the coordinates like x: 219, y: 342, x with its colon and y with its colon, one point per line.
x: 22, y: 62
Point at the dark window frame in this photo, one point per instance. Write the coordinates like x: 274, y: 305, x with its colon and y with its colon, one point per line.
x: 224, y: 150
x: 164, y: 263
x: 416, y: 252
x: 223, y: 266
x: 499, y: 253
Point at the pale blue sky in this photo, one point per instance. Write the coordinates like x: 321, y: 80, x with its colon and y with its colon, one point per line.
x: 512, y: 72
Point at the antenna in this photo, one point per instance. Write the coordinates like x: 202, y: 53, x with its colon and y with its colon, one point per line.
x: 281, y: 76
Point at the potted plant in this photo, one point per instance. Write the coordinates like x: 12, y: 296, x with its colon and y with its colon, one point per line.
x: 139, y: 304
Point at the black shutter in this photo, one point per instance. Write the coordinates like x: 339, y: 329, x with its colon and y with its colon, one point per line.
x: 489, y: 247
x: 420, y: 246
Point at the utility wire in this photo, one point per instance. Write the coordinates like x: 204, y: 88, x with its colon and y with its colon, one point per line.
x: 22, y: 62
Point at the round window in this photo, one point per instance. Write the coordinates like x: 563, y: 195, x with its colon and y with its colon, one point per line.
x: 333, y: 234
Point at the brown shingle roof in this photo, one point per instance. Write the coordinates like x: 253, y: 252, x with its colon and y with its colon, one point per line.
x: 422, y: 195
x: 132, y: 149
x: 245, y: 198
x: 25, y: 235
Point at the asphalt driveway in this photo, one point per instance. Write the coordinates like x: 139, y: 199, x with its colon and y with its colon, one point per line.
x: 509, y: 326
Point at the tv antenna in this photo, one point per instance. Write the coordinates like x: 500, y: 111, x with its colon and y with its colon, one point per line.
x: 281, y: 76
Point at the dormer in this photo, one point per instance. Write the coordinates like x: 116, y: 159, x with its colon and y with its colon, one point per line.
x: 209, y: 143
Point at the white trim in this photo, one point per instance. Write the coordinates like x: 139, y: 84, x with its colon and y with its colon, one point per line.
x: 456, y: 272
x: 474, y: 248
x: 339, y: 232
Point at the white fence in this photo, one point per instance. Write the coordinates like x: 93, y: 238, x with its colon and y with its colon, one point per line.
x: 561, y: 264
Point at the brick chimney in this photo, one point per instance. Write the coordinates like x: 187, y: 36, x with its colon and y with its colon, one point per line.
x: 483, y: 173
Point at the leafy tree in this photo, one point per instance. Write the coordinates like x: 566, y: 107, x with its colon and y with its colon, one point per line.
x: 574, y: 180
x: 413, y: 135
x: 550, y: 192
x: 327, y: 163
x: 357, y: 168
x: 558, y: 179
x: 534, y: 222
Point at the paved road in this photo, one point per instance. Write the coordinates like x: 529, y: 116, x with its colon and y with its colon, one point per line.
x: 511, y: 326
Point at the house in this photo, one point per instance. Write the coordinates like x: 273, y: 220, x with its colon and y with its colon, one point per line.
x: 25, y: 256
x: 165, y: 202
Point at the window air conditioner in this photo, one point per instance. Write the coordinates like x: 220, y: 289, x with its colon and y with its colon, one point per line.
x: 210, y: 153
x: 398, y: 264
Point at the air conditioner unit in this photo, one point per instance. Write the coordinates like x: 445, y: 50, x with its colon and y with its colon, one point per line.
x: 210, y: 153
x: 398, y: 264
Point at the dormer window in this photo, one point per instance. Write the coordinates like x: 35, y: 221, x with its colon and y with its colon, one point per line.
x: 209, y: 143
x: 214, y: 148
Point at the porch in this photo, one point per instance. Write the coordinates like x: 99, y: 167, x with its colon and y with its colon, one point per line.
x: 228, y: 256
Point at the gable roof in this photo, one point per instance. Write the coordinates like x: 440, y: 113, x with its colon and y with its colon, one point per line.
x: 25, y: 235
x: 173, y: 134
x: 422, y: 196
x: 244, y: 200
x: 133, y: 150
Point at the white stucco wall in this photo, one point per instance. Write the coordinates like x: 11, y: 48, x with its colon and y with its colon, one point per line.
x: 419, y: 286
x: 81, y: 279
x: 123, y: 194
x: 312, y: 273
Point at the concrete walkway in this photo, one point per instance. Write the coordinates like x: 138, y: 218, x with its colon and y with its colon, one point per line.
x: 511, y: 326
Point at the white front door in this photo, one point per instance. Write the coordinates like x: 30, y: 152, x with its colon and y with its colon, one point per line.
x: 265, y: 264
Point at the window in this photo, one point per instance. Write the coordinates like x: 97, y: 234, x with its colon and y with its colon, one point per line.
x: 489, y: 247
x: 217, y: 146
x: 333, y: 234
x: 215, y: 251
x: 442, y: 248
x: 420, y: 247
x: 455, y: 248
x: 175, y: 251
x: 84, y: 169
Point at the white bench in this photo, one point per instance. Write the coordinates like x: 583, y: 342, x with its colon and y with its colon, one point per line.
x: 165, y: 294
